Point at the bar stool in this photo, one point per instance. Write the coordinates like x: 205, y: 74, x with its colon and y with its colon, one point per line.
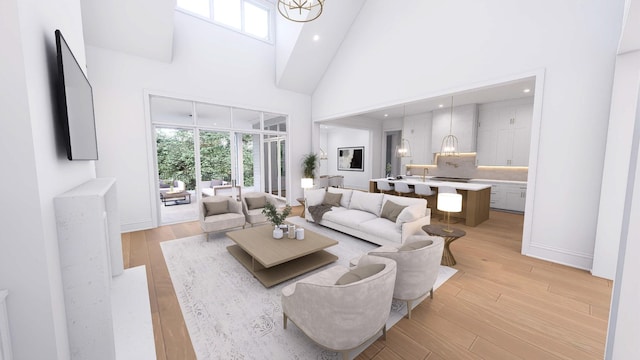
x: 424, y: 191
x: 403, y: 189
x: 384, y: 187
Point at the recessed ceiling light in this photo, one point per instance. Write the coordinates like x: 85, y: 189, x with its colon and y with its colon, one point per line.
x: 386, y: 115
x: 441, y: 105
x: 526, y: 90
x: 316, y: 37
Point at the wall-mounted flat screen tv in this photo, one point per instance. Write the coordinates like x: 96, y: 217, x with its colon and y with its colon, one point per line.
x: 75, y: 104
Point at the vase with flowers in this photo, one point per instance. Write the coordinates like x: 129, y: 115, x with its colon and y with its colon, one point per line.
x: 276, y: 218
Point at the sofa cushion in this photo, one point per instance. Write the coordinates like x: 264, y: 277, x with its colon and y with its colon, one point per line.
x: 369, y: 202
x: 346, y: 195
x: 404, y: 200
x: 216, y: 207
x: 381, y: 228
x: 415, y: 245
x: 332, y: 199
x: 256, y: 202
x: 391, y: 210
x: 349, y: 218
x: 409, y: 214
x: 360, y: 273
x: 164, y: 184
x: 314, y: 197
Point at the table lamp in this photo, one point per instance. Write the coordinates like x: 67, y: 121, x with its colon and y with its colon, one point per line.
x: 449, y: 203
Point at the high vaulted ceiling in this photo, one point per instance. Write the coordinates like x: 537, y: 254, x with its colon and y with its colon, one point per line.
x: 137, y: 27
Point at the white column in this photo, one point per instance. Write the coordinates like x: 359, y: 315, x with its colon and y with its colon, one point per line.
x: 5, y: 339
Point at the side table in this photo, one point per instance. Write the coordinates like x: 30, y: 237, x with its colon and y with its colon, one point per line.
x: 301, y: 201
x: 449, y: 237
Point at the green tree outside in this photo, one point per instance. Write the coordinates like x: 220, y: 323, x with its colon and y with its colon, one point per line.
x: 176, y: 159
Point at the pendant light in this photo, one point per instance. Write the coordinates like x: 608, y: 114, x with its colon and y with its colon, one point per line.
x: 450, y: 142
x: 404, y: 148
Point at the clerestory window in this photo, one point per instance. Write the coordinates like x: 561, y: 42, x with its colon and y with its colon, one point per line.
x: 252, y: 17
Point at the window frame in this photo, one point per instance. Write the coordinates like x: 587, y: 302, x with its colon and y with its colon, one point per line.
x: 268, y: 7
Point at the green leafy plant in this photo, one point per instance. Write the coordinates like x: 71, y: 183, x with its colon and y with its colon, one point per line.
x: 388, y: 169
x: 309, y: 165
x: 274, y: 216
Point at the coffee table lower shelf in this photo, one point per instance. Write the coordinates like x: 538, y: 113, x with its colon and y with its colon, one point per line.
x: 279, y: 273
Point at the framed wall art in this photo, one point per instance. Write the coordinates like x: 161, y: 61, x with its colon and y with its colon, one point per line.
x: 351, y: 158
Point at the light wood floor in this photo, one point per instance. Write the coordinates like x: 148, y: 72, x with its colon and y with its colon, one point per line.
x: 499, y: 305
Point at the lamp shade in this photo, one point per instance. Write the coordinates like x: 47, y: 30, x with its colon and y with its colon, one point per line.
x: 306, y: 183
x: 449, y: 202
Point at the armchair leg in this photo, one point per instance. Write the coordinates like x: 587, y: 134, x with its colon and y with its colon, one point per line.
x: 431, y: 293
x: 408, y: 309
x: 284, y: 320
x: 384, y: 332
x: 345, y: 354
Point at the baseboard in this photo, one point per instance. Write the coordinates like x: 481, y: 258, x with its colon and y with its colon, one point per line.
x: 560, y: 256
x: 136, y: 226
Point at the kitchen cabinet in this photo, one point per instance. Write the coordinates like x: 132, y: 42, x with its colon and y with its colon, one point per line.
x: 504, y: 132
x: 463, y: 127
x: 507, y: 195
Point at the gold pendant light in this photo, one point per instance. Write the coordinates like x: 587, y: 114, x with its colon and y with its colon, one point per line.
x: 300, y: 10
x: 450, y: 142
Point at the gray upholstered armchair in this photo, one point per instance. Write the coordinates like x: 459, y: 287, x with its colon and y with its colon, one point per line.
x: 342, y: 317
x: 254, y: 202
x: 220, y: 213
x: 418, y: 261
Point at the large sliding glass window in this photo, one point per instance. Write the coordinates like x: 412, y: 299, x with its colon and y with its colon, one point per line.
x: 208, y: 147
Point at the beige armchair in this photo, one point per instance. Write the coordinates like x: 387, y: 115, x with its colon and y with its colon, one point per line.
x: 342, y: 317
x: 254, y: 202
x: 418, y: 261
x: 220, y: 213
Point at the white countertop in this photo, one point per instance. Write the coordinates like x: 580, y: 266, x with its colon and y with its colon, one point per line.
x: 455, y: 185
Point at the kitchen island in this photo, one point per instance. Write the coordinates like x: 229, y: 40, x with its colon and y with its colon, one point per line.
x: 476, y: 198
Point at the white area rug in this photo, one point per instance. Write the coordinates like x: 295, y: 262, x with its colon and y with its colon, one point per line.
x: 230, y: 315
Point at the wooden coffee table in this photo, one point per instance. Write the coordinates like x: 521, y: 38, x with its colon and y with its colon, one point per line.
x: 273, y: 261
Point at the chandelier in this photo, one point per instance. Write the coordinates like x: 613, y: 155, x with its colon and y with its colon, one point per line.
x: 300, y: 10
x: 450, y: 142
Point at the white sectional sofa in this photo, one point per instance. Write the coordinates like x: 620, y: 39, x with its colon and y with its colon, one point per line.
x: 359, y: 215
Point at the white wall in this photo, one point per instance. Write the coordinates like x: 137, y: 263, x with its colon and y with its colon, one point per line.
x: 624, y: 323
x: 210, y: 63
x: 34, y: 169
x: 616, y: 165
x: 346, y: 137
x: 444, y: 49
x: 417, y: 129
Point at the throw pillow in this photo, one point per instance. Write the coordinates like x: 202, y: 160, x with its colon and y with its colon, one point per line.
x: 216, y: 207
x: 332, y: 199
x: 216, y: 183
x: 409, y: 214
x: 415, y: 245
x: 257, y: 202
x: 391, y: 210
x: 369, y: 202
x: 346, y: 195
x: 360, y: 273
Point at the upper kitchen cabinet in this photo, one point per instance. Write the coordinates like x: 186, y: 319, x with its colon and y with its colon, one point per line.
x: 504, y: 132
x: 462, y: 125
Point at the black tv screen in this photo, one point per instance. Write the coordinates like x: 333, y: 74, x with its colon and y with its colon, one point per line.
x: 75, y: 98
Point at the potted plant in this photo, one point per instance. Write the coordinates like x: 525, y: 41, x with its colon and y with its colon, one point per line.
x: 276, y: 218
x: 309, y: 165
